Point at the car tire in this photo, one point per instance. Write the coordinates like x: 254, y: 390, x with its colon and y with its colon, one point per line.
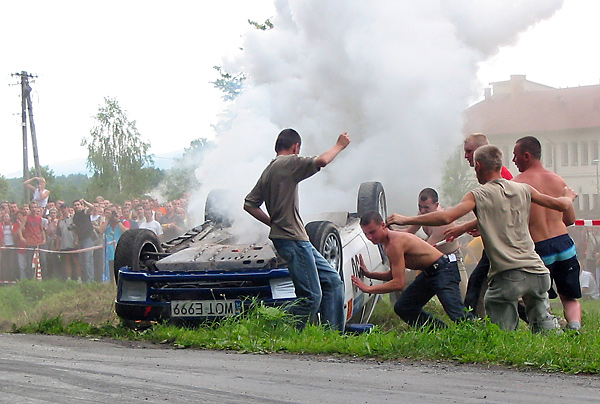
x: 218, y: 205
x: 325, y: 237
x: 132, y: 250
x: 371, y: 196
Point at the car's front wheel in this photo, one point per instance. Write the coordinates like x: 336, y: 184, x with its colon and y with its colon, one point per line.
x: 137, y: 249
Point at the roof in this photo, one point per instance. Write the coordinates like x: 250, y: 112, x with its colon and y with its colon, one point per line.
x: 535, y: 111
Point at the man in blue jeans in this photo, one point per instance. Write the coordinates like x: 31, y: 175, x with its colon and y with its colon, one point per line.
x: 318, y: 286
x: 439, y: 276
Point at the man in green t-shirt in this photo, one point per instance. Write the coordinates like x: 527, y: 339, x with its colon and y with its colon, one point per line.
x: 318, y: 286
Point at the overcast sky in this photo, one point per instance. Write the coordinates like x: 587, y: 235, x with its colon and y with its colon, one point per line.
x: 156, y: 58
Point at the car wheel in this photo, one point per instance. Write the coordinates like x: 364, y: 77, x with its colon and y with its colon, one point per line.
x: 218, y: 205
x: 325, y: 237
x: 371, y: 196
x: 134, y: 250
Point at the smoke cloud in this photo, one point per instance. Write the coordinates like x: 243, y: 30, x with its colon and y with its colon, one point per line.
x: 395, y: 75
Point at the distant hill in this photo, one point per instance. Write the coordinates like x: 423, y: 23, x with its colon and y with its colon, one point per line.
x: 164, y: 161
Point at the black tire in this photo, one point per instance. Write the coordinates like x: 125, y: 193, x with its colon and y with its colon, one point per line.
x: 133, y: 248
x: 371, y: 196
x: 219, y: 203
x: 325, y: 237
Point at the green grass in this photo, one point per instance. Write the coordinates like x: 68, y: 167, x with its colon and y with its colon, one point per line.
x: 265, y: 330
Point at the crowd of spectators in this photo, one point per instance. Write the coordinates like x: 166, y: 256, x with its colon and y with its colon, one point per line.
x: 76, y: 240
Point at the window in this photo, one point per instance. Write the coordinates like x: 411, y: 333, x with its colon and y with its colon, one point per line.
x: 574, y: 154
x: 594, y: 149
x: 585, y: 154
x: 564, y: 154
x: 547, y: 154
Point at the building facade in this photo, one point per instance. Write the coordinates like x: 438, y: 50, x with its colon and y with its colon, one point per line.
x: 566, y: 121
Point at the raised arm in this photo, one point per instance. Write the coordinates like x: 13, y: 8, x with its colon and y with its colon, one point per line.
x: 28, y: 185
x: 561, y: 204
x: 329, y: 155
x: 437, y: 218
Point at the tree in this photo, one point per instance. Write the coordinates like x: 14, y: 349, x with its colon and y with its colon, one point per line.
x: 230, y: 84
x: 3, y: 188
x: 117, y: 156
x: 458, y: 178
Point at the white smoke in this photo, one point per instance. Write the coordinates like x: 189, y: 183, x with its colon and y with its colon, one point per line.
x: 396, y: 75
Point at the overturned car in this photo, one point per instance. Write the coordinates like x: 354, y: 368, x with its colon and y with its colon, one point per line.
x: 206, y: 274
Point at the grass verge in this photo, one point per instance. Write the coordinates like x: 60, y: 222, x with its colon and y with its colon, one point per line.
x: 86, y: 310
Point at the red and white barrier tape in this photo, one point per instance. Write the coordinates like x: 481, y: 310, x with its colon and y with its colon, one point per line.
x: 587, y: 222
x: 56, y: 251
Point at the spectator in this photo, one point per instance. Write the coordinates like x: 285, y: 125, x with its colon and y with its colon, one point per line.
x: 113, y: 227
x: 171, y: 222
x: 40, y: 194
x: 33, y: 236
x: 52, y: 244
x: 9, y: 256
x: 151, y: 224
x: 67, y: 240
x: 85, y: 232
x: 18, y: 235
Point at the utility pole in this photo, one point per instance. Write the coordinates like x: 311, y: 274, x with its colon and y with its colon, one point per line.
x: 26, y: 105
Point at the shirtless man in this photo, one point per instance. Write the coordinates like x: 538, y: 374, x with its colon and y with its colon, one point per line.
x: 502, y: 209
x: 428, y: 201
x: 440, y: 274
x: 548, y: 228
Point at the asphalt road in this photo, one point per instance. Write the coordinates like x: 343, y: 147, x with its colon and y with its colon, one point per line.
x: 50, y: 369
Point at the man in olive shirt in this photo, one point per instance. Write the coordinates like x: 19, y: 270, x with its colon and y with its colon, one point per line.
x: 317, y: 284
x: 502, y: 208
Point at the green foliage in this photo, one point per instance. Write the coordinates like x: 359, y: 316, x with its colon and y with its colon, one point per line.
x: 265, y: 26
x: 458, y: 179
x: 3, y: 188
x: 230, y: 84
x: 117, y: 156
x: 181, y: 178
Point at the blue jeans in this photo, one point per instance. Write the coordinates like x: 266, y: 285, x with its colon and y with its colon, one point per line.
x: 318, y: 286
x: 443, y: 282
x: 86, y: 259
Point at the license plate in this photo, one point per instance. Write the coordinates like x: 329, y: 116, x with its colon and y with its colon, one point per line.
x: 205, y: 308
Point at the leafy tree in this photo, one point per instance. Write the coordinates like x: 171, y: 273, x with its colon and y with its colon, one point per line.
x: 265, y: 26
x: 230, y: 84
x: 3, y: 188
x: 117, y: 155
x: 458, y: 178
x: 181, y: 177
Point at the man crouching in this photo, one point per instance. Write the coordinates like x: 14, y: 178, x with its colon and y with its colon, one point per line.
x: 440, y: 274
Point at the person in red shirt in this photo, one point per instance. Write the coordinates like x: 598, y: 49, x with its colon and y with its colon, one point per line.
x: 33, y: 235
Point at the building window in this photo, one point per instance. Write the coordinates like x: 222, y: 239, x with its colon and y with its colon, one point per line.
x: 585, y: 154
x: 574, y: 154
x: 595, y: 201
x: 547, y: 155
x: 564, y: 154
x: 594, y: 149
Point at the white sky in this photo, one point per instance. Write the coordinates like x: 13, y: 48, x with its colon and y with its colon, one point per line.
x: 156, y: 58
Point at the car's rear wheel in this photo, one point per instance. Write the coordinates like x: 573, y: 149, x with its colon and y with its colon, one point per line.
x: 218, y: 205
x: 371, y: 196
x: 137, y: 250
x: 325, y: 237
